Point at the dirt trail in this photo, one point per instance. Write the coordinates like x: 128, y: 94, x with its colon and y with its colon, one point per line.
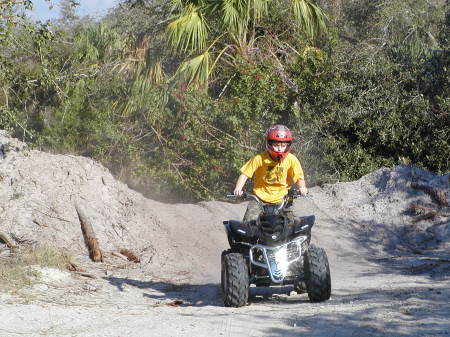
x: 390, y: 275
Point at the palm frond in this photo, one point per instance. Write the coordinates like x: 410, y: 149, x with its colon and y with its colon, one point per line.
x: 232, y: 14
x: 219, y: 56
x: 259, y: 8
x: 143, y: 91
x: 189, y: 30
x: 236, y: 14
x: 98, y: 42
x: 196, y: 69
x: 155, y: 73
x: 177, y: 5
x: 309, y: 17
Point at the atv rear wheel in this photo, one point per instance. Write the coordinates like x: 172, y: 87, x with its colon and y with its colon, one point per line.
x: 235, y: 280
x: 317, y: 274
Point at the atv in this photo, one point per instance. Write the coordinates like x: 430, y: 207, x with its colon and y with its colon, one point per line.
x: 273, y: 250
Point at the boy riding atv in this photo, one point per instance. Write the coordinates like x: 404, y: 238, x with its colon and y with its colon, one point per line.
x: 271, y: 247
x: 273, y: 171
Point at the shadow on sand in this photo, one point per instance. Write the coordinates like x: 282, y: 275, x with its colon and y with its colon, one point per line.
x: 208, y: 294
x: 176, y: 294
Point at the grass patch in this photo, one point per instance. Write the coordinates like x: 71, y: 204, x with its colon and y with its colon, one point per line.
x: 16, y: 272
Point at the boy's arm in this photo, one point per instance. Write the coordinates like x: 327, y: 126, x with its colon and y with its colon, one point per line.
x: 301, y: 187
x: 300, y: 184
x: 240, y: 184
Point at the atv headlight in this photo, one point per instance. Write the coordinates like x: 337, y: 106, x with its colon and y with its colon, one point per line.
x: 278, y: 263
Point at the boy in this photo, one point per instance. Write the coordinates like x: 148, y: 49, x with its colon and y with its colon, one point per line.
x: 273, y: 171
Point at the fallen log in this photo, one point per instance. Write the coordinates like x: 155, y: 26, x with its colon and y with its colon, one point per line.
x: 89, y: 235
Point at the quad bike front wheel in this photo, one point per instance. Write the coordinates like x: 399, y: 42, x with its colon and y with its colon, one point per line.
x: 235, y: 280
x: 317, y: 274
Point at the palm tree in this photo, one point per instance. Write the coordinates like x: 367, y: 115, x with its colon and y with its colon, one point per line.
x: 207, y: 29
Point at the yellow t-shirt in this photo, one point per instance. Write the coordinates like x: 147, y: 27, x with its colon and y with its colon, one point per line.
x: 271, y: 179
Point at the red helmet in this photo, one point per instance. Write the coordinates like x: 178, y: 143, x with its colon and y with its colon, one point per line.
x: 278, y: 133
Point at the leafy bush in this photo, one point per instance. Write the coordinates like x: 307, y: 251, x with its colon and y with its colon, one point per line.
x: 370, y: 105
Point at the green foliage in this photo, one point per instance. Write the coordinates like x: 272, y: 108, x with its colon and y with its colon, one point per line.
x: 12, y: 16
x: 199, y: 143
x: 271, y: 102
x: 380, y: 105
x: 231, y: 29
x: 97, y: 43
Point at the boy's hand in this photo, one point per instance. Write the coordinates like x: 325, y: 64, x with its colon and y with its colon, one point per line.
x: 303, y: 191
x: 238, y: 192
x: 240, y: 185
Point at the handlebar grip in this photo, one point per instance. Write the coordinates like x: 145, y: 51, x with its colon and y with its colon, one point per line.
x: 298, y: 195
x: 243, y: 195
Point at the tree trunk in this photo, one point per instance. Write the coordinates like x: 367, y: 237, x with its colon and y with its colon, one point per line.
x: 89, y: 235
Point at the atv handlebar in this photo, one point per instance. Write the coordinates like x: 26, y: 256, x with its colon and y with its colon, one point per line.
x: 247, y: 196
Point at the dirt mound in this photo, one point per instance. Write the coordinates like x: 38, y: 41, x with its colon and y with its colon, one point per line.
x: 388, y: 208
x: 38, y: 193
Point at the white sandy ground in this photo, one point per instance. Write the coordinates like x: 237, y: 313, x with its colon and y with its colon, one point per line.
x: 390, y: 276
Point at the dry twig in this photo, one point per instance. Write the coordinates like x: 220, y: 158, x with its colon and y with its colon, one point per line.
x: 6, y: 239
x: 438, y: 195
x: 130, y: 255
x: 420, y: 210
x: 123, y: 257
x: 86, y: 275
